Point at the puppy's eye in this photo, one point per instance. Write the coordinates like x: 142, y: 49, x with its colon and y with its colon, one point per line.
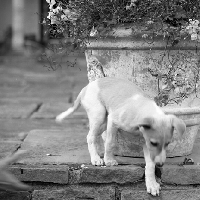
x: 147, y: 127
x: 167, y: 144
x: 154, y: 144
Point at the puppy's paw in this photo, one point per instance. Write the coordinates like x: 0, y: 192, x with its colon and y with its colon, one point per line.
x: 110, y: 162
x: 152, y: 187
x: 97, y: 161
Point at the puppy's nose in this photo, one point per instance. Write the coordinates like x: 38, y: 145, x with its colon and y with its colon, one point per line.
x: 159, y: 164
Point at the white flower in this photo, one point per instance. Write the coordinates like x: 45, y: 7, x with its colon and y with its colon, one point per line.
x: 194, y: 36
x: 70, y: 15
x: 57, y: 9
x: 150, y: 22
x: 51, y: 1
x: 193, y: 29
x: 54, y: 20
x: 131, y: 5
x: 93, y: 32
x: 50, y: 15
x: 64, y: 18
x: 194, y: 22
x: 144, y: 35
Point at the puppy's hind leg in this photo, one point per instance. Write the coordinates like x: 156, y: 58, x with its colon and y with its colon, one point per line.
x: 97, y: 120
x: 101, y: 141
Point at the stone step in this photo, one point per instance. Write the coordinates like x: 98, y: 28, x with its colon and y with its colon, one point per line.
x: 103, y: 192
x: 171, y: 194
x: 122, y: 174
x: 57, y: 166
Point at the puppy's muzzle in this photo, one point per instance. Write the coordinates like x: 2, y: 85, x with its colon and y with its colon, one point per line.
x: 159, y: 164
x: 160, y: 159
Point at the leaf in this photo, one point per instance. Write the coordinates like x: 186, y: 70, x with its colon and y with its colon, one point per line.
x: 159, y: 76
x: 176, y: 90
x: 180, y: 15
x: 164, y: 86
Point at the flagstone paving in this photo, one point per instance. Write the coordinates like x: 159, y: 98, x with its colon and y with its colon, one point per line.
x: 57, y: 161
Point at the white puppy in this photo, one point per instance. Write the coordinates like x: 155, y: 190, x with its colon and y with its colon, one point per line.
x: 113, y: 104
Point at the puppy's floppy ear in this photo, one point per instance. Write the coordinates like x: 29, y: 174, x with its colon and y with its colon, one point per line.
x: 178, y: 124
x: 146, y: 123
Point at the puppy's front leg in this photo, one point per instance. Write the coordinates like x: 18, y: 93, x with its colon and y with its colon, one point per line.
x: 109, y: 158
x: 93, y: 140
x: 152, y: 186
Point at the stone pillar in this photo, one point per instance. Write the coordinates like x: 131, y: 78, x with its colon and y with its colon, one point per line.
x: 18, y: 25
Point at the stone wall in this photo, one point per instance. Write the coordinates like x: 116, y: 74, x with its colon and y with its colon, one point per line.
x: 65, y: 182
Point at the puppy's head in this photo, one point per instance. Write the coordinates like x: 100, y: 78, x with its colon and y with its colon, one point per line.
x: 158, y: 133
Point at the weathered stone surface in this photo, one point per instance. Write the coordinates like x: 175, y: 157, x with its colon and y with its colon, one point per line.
x: 17, y: 110
x: 187, y: 174
x: 130, y: 160
x: 76, y: 193
x: 65, y: 146
x: 45, y: 173
x: 114, y: 174
x: 74, y: 175
x: 8, y: 147
x: 4, y: 195
x: 191, y: 194
x: 195, y: 154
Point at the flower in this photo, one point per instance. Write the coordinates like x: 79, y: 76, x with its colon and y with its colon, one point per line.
x: 145, y: 35
x: 57, y: 13
x: 51, y: 3
x: 131, y: 5
x: 69, y: 15
x: 193, y: 29
x: 93, y: 32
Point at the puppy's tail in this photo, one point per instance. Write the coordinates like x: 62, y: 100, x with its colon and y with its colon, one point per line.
x: 71, y: 110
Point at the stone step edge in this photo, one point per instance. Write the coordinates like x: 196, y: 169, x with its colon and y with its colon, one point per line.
x: 101, y: 193
x: 121, y: 174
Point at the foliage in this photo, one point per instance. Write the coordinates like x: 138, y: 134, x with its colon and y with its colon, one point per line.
x: 83, y: 18
x: 177, y: 78
x: 173, y: 19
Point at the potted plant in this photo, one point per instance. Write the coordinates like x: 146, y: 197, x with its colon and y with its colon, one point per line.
x: 154, y: 43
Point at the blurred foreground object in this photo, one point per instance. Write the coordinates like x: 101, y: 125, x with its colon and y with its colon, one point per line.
x: 7, y: 180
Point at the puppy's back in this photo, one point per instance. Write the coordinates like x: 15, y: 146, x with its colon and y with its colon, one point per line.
x: 115, y: 91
